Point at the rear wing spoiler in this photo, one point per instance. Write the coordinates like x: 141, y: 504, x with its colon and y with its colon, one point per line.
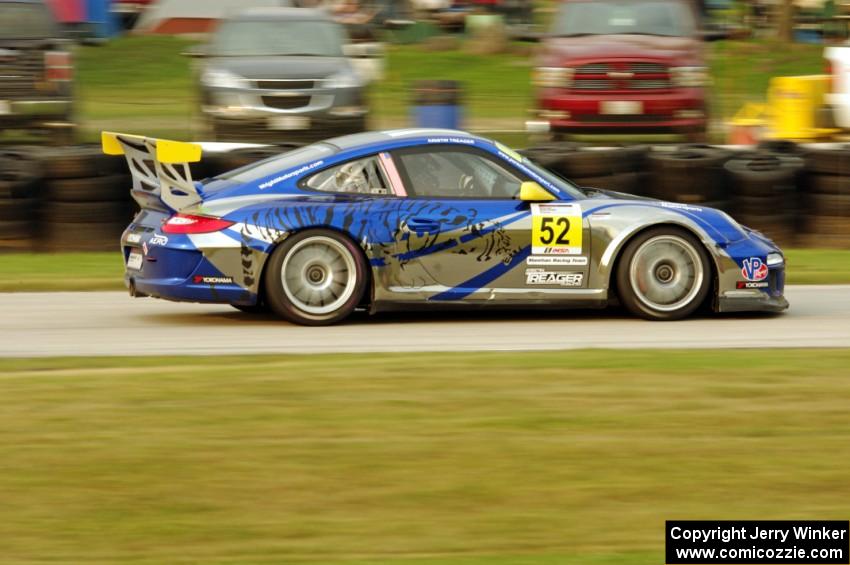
x: 160, y: 167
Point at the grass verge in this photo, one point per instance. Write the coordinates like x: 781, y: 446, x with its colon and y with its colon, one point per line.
x: 26, y: 272
x: 459, y: 459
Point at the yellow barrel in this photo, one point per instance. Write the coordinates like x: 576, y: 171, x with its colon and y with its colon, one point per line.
x: 793, y: 103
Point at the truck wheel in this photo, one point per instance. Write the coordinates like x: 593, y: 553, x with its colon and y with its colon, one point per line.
x: 663, y: 274
x: 315, y: 278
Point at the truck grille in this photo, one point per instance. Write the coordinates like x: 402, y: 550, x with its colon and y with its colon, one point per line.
x: 19, y: 74
x: 286, y: 102
x: 636, y: 75
x: 284, y: 84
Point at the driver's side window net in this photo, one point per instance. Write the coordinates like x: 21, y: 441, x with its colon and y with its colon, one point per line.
x: 362, y: 176
x: 455, y: 173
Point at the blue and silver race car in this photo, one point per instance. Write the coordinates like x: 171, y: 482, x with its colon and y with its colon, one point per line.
x: 435, y: 218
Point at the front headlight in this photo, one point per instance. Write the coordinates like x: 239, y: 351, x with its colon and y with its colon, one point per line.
x: 775, y: 259
x: 219, y: 78
x: 553, y: 77
x: 345, y: 79
x: 689, y: 76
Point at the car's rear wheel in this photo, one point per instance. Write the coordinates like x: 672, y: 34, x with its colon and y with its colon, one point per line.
x: 315, y: 278
x: 663, y: 274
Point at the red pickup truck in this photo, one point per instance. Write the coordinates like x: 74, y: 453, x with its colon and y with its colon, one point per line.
x: 615, y: 66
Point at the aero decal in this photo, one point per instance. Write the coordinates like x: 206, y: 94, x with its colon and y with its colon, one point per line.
x: 754, y: 269
x: 477, y: 282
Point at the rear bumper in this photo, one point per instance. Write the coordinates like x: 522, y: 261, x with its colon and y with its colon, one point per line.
x: 676, y: 111
x: 178, y: 270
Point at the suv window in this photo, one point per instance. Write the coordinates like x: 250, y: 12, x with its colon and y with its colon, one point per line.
x: 456, y: 172
x: 255, y: 38
x: 20, y: 20
x: 362, y: 176
x: 638, y: 17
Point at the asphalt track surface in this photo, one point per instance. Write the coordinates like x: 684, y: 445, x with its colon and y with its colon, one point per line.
x: 112, y: 323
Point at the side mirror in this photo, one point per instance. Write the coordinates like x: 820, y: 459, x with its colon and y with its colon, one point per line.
x: 533, y: 192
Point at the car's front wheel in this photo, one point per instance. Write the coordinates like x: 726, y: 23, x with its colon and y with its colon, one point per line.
x: 663, y: 274
x: 315, y: 278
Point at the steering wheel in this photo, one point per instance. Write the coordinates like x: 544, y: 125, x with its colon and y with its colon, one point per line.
x: 466, y: 185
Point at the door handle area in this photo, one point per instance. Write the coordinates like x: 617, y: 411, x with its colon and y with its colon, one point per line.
x: 423, y: 225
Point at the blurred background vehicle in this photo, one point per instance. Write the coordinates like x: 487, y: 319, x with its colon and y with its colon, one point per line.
x: 275, y: 74
x: 36, y: 71
x: 622, y: 66
x: 194, y: 16
x: 838, y: 99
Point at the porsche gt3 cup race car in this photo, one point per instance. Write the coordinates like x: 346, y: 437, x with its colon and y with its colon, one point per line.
x: 435, y: 218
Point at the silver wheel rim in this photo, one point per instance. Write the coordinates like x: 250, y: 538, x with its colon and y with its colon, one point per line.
x: 666, y: 273
x: 319, y: 275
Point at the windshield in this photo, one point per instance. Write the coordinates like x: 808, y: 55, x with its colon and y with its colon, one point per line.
x: 247, y: 38
x: 610, y: 17
x: 25, y: 21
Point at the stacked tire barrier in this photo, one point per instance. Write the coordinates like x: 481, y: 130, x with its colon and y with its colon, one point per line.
x: 20, y: 191
x: 691, y: 174
x: 827, y: 220
x: 77, y: 199
x: 765, y: 188
x: 87, y: 202
x: 622, y: 169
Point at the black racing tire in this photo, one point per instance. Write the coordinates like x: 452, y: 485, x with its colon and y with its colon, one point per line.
x: 829, y: 161
x: 829, y: 184
x: 62, y: 236
x: 597, y: 162
x: 663, y: 241
x: 23, y: 161
x: 96, y: 189
x: 301, y: 256
x: 548, y: 155
x: 80, y: 161
x: 18, y: 209
x: 827, y: 225
x: 781, y: 146
x: 832, y: 205
x: 15, y: 230
x: 689, y: 174
x: 628, y: 183
x: 88, y: 212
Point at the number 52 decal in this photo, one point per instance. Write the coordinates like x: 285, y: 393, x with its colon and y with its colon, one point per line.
x: 556, y: 229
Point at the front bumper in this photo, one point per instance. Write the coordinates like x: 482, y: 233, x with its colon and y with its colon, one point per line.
x: 679, y: 110
x: 47, y: 113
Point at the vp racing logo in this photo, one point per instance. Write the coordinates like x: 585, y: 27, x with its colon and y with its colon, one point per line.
x: 754, y: 269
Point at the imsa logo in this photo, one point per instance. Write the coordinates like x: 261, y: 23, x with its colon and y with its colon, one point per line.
x: 543, y: 277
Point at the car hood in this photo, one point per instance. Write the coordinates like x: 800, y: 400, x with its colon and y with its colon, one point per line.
x: 281, y: 67
x: 682, y: 50
x: 719, y: 225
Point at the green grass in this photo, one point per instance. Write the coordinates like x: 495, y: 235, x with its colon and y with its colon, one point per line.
x: 21, y: 272
x: 145, y: 84
x: 61, y: 271
x: 458, y: 459
x: 741, y: 70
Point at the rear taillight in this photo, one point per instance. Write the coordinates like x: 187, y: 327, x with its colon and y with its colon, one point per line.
x: 187, y: 223
x: 57, y: 66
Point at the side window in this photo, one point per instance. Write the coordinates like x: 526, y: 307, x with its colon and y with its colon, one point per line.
x: 455, y: 172
x: 363, y: 176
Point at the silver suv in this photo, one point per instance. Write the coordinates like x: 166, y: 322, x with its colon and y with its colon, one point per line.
x: 279, y: 74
